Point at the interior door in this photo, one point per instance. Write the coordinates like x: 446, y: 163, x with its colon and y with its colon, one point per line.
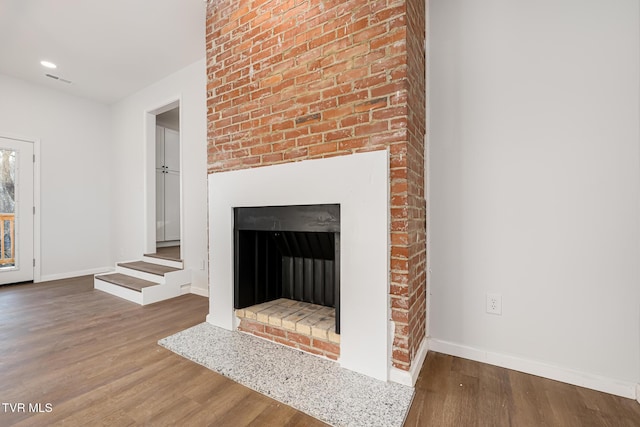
x: 160, y: 172
x: 167, y: 185
x: 16, y: 211
x: 172, y: 184
x: 160, y: 222
x: 172, y: 205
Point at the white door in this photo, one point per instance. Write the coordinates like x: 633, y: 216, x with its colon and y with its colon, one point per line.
x: 172, y: 185
x: 16, y: 211
x: 167, y: 184
x: 160, y: 237
x: 172, y: 150
x: 171, y: 205
x: 160, y: 169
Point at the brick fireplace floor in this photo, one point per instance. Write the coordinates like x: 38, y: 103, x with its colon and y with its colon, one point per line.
x: 307, y: 327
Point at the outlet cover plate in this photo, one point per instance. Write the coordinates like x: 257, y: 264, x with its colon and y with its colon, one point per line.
x: 494, y: 303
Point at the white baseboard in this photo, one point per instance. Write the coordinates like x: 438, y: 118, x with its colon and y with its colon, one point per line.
x: 70, y: 274
x: 411, y: 376
x: 638, y: 393
x: 209, y: 319
x: 557, y: 373
x: 200, y: 291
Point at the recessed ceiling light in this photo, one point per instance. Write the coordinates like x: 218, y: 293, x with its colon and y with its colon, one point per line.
x: 48, y: 64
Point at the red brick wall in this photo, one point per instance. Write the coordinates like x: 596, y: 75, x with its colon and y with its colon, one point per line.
x: 290, y: 80
x: 289, y: 338
x: 417, y: 225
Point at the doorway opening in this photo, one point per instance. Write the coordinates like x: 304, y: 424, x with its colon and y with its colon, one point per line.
x: 164, y: 183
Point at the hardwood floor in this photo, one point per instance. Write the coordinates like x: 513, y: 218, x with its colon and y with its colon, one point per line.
x: 171, y: 252
x: 457, y: 392
x: 94, y: 358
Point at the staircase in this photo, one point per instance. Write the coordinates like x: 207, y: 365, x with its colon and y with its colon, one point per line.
x: 150, y: 280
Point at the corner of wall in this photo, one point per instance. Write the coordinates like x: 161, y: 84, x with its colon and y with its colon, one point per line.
x: 199, y: 291
x: 411, y: 376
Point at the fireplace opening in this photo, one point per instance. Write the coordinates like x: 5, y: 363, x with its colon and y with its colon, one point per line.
x: 290, y: 252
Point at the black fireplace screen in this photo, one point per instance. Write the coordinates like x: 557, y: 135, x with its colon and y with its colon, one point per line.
x: 287, y: 252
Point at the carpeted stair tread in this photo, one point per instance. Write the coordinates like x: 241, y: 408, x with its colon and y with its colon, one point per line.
x: 147, y: 267
x: 126, y: 281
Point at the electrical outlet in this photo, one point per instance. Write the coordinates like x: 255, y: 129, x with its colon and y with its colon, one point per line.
x: 494, y: 304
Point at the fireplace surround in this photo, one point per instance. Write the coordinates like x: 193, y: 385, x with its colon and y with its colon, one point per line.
x: 359, y: 184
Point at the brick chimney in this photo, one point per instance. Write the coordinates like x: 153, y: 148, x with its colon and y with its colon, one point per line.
x: 291, y: 80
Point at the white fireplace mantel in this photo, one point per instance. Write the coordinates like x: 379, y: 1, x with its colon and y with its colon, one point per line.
x: 360, y: 184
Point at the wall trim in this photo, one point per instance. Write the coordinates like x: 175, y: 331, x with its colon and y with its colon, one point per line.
x: 534, y: 367
x: 199, y: 291
x: 71, y: 274
x: 149, y: 123
x: 638, y: 393
x: 427, y: 166
x: 411, y: 376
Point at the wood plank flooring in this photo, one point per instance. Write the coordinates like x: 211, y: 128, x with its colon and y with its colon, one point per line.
x: 457, y: 392
x: 94, y: 358
x: 147, y: 267
x: 167, y: 252
x: 129, y: 282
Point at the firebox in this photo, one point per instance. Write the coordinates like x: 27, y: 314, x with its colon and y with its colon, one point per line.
x: 288, y: 252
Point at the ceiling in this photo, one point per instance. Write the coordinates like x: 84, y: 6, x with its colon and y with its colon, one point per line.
x: 107, y: 49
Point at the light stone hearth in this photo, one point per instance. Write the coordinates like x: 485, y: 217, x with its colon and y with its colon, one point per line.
x: 316, y: 386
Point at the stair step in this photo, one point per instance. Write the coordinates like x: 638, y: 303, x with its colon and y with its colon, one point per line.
x: 160, y: 256
x: 145, y: 282
x: 147, y: 267
x: 125, y: 281
x: 162, y: 260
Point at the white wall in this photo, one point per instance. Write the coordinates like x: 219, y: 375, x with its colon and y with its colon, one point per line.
x: 535, y: 184
x: 169, y: 119
x: 75, y: 170
x: 188, y: 85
